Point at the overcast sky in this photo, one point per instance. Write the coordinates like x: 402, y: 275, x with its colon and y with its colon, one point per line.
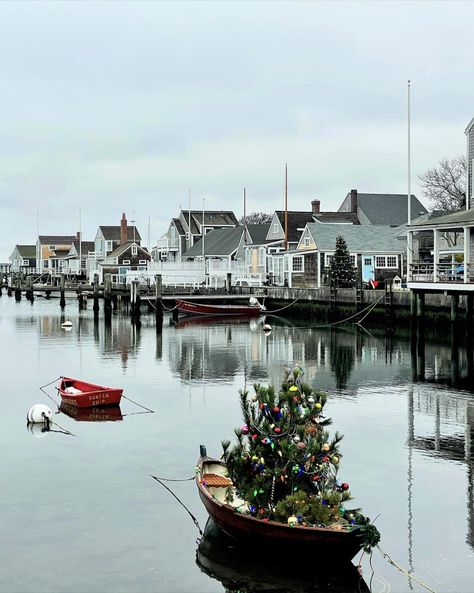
x: 124, y: 106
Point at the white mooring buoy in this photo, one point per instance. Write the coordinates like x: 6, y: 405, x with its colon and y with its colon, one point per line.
x: 66, y: 324
x: 39, y: 414
x: 267, y: 327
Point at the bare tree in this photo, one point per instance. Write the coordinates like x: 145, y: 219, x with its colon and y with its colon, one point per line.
x: 257, y: 218
x: 445, y: 185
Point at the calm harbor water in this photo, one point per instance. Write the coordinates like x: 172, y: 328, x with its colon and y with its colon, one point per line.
x: 82, y: 514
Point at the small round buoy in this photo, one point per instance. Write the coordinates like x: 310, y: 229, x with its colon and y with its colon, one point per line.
x: 66, y: 324
x: 253, y: 301
x: 267, y: 327
x: 39, y: 414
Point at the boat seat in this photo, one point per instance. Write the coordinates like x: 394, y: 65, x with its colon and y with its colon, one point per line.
x: 72, y: 390
x: 216, y: 481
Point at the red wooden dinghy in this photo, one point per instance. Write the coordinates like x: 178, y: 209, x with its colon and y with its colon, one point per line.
x: 213, y: 484
x: 81, y: 394
x: 253, y: 309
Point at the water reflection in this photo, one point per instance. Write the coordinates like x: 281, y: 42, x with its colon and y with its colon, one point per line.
x: 106, y: 414
x: 239, y: 571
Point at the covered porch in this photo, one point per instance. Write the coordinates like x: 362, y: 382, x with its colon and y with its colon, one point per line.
x: 440, y: 253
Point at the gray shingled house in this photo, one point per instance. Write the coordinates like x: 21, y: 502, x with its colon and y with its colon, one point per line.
x: 376, y: 253
x: 23, y: 259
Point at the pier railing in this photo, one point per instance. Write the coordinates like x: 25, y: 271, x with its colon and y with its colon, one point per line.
x: 452, y: 273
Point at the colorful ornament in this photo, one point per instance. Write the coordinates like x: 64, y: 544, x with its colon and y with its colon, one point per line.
x: 318, y: 406
x: 293, y: 388
x: 335, y: 460
x: 326, y: 447
x: 344, y: 486
x: 245, y: 429
x: 292, y: 521
x: 301, y: 445
x: 276, y: 409
x: 277, y: 430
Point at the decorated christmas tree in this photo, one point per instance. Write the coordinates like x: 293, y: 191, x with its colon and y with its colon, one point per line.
x: 284, y: 465
x: 341, y: 267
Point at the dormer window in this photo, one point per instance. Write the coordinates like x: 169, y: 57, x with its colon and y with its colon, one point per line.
x: 134, y: 249
x: 275, y: 228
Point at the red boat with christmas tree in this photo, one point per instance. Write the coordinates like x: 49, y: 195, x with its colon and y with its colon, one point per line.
x: 277, y: 485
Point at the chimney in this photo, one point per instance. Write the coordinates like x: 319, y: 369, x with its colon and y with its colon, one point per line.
x: 354, y: 200
x: 123, y: 230
x: 315, y: 205
x: 78, y: 235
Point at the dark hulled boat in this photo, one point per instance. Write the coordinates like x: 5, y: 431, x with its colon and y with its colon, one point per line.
x: 188, y: 308
x: 212, y: 481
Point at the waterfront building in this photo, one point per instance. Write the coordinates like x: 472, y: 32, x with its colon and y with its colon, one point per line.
x: 23, y: 259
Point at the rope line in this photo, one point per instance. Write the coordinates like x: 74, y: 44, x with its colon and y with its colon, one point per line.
x: 137, y: 404
x: 195, y: 521
x: 289, y: 305
x: 405, y: 572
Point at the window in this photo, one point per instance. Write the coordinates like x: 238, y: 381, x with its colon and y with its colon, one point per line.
x: 354, y: 260
x: 142, y: 261
x: 25, y: 262
x: 126, y: 262
x: 134, y: 249
x: 52, y: 247
x: 275, y: 228
x: 386, y: 261
x: 328, y: 257
x: 108, y: 246
x: 367, y: 261
x: 297, y: 264
x: 306, y: 242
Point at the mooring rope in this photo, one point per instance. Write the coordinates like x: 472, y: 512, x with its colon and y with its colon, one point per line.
x: 195, y: 521
x: 289, y: 305
x: 62, y: 430
x: 137, y: 404
x: 405, y: 572
x: 46, y: 393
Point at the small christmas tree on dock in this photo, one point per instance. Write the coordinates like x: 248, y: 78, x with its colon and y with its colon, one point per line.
x: 341, y: 267
x: 285, y: 464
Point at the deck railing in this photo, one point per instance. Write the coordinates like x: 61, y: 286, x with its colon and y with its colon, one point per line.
x: 452, y: 273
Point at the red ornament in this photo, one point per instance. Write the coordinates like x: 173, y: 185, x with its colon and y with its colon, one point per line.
x: 325, y: 459
x: 277, y: 429
x: 261, y: 406
x: 276, y: 409
x: 301, y: 446
x: 254, y: 436
x: 344, y: 486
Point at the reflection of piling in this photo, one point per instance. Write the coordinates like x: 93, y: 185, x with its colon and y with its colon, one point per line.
x: 417, y: 350
x: 158, y: 300
x: 135, y: 300
x: 62, y: 284
x: 108, y: 294
x: 17, y: 288
x: 469, y: 307
x: 29, y: 289
x: 80, y: 299
x: 454, y: 307
x: 95, y: 308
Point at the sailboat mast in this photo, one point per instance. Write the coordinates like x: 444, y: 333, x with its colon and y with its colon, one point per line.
x: 286, y: 207
x: 245, y: 217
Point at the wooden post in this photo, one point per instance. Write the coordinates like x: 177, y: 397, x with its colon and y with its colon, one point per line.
x: 29, y: 288
x: 454, y: 307
x: 229, y: 283
x: 158, y: 300
x: 62, y: 300
x: 95, y: 308
x: 135, y: 299
x: 420, y: 305
x: 469, y: 306
x: 107, y: 294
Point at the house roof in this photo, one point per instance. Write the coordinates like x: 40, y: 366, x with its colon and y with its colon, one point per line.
x: 258, y: 232
x: 336, y: 217
x: 112, y: 233
x: 121, y: 249
x: 359, y: 238
x: 387, y: 209
x: 218, y: 242
x: 211, y: 218
x: 460, y: 217
x: 178, y: 225
x: 296, y: 221
x: 86, y: 246
x: 469, y: 126
x: 53, y: 239
x: 27, y: 251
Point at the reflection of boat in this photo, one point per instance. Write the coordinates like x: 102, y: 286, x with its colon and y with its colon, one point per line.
x: 238, y: 571
x: 212, y: 482
x: 81, y: 394
x: 105, y: 414
x: 254, y: 308
x: 188, y: 320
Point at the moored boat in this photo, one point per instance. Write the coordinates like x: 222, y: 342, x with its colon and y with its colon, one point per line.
x: 254, y: 308
x: 228, y: 511
x: 81, y: 394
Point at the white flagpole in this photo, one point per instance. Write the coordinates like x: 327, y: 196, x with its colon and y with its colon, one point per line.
x: 409, y: 158
x: 80, y: 244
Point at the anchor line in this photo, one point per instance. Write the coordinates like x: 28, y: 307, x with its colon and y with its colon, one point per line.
x: 137, y: 404
x: 405, y: 572
x: 195, y: 521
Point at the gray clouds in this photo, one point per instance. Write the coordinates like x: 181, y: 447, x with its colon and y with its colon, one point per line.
x: 123, y: 106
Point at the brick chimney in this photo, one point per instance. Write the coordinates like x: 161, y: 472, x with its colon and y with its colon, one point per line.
x: 123, y: 230
x: 354, y: 200
x: 315, y: 206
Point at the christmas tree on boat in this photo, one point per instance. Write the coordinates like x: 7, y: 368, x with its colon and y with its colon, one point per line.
x: 278, y: 484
